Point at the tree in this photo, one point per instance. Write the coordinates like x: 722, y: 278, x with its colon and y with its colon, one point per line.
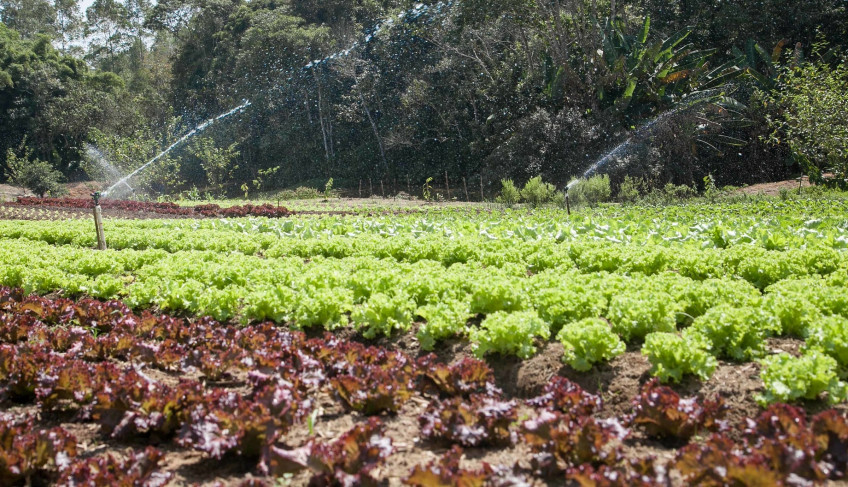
x: 108, y: 27
x: 31, y: 173
x: 68, y: 24
x: 217, y: 162
x: 29, y: 17
x: 811, y: 118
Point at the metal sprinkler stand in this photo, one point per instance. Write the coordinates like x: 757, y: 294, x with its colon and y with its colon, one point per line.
x: 567, y: 205
x: 98, y: 221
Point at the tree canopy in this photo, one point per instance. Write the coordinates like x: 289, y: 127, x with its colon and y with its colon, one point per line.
x: 394, y: 89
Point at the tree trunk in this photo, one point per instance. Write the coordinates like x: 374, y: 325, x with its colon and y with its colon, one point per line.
x: 376, y: 132
x: 324, y: 130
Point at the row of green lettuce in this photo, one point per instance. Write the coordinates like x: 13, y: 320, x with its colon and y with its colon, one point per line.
x: 492, y: 245
x: 351, y: 236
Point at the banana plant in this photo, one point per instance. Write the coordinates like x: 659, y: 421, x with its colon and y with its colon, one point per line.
x: 655, y: 74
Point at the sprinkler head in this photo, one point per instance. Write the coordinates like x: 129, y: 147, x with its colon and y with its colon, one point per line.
x: 96, y: 197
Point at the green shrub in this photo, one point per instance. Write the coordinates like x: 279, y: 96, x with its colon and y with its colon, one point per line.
x: 592, y: 191
x: 328, y: 189
x: 300, y: 193
x: 510, y: 194
x: 674, y: 192
x: 33, y: 174
x: 589, y: 341
x: 537, y: 192
x: 810, y: 117
x: 631, y: 189
x: 558, y: 199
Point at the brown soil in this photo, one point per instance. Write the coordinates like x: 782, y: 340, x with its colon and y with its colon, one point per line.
x: 774, y: 188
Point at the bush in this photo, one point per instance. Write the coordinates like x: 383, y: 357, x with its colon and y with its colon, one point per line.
x: 509, y: 193
x: 679, y: 192
x: 592, y: 191
x: 631, y: 189
x: 536, y: 192
x: 33, y: 174
x: 812, y: 120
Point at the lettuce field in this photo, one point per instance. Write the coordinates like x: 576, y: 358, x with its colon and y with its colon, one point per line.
x: 700, y: 344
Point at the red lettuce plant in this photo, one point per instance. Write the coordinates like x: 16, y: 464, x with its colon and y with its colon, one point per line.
x: 347, y: 461
x: 27, y: 453
x: 478, y: 420
x: 662, y: 413
x: 138, y: 469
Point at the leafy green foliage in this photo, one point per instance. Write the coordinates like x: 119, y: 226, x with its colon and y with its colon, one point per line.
x: 217, y: 162
x: 445, y: 319
x: 734, y: 333
x: 830, y: 336
x: 589, y: 341
x: 592, y: 191
x: 631, y: 189
x: 510, y: 195
x: 672, y: 356
x: 810, y: 119
x: 797, y: 315
x: 636, y: 314
x: 383, y: 314
x: 535, y: 191
x: 33, y: 174
x: 509, y: 334
x: 787, y: 378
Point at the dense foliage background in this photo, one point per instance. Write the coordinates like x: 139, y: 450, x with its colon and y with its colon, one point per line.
x: 491, y: 89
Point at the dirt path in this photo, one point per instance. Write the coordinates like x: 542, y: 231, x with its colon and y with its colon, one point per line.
x: 774, y: 188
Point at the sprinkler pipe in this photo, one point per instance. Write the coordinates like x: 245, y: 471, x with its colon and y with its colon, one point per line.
x: 98, y: 221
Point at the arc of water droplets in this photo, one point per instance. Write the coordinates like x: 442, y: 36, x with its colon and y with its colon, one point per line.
x: 179, y: 141
x: 641, y: 132
x: 414, y: 13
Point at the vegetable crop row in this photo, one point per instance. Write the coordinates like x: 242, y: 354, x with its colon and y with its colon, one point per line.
x: 92, y: 359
